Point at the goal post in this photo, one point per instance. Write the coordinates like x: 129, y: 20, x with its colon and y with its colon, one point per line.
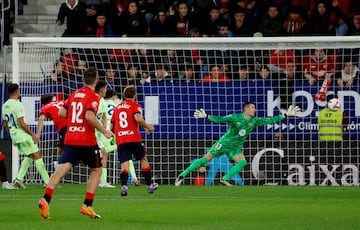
x: 288, y: 152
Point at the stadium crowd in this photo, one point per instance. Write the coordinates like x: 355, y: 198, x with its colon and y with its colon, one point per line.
x: 217, y: 18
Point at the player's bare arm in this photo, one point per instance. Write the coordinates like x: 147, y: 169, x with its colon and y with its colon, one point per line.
x: 140, y: 120
x: 91, y: 118
x: 63, y: 112
x: 40, y: 125
x: 5, y: 123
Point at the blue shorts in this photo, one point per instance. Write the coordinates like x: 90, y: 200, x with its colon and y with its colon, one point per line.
x: 127, y: 150
x: 62, y: 137
x: 89, y: 155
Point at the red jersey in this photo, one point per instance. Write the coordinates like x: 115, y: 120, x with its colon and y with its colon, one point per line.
x: 313, y: 67
x: 51, y: 111
x: 281, y: 57
x: 126, y: 128
x: 79, y: 132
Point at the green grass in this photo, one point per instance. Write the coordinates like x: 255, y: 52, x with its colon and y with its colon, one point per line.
x: 187, y: 207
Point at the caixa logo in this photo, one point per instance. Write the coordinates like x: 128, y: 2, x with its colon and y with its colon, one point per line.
x: 314, y: 174
x: 80, y: 129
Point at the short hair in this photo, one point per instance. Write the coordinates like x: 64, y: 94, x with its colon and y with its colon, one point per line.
x: 46, y: 98
x: 110, y: 93
x: 12, y: 88
x: 330, y: 96
x: 99, y: 85
x: 129, y: 92
x: 90, y: 75
x: 246, y: 104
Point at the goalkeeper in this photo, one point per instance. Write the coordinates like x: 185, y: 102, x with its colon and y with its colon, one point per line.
x: 231, y: 143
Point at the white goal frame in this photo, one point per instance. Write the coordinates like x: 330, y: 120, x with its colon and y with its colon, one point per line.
x: 252, y: 43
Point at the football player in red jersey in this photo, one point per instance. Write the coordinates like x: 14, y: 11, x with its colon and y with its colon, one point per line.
x: 50, y: 109
x: 80, y: 143
x: 125, y: 123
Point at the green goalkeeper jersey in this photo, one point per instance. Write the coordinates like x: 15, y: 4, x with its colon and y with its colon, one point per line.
x: 240, y: 127
x: 12, y: 110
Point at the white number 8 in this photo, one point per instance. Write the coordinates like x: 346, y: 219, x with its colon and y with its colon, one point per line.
x: 123, y: 120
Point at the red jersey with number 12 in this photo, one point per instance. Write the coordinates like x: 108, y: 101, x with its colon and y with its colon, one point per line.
x: 126, y: 128
x: 51, y: 110
x: 79, y: 131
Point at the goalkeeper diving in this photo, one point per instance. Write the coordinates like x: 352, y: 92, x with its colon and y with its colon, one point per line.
x: 231, y: 143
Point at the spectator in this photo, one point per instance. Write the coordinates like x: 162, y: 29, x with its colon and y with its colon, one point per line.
x: 160, y: 24
x: 271, y: 24
x: 286, y: 82
x: 189, y: 75
x: 181, y: 21
x: 101, y: 28
x: 144, y: 59
x: 321, y: 21
x: 319, y: 64
x: 348, y: 8
x: 112, y: 78
x: 75, y: 77
x: 160, y: 75
x: 74, y: 12
x: 279, y: 58
x: 212, y: 23
x: 58, y: 75
x: 223, y: 31
x: 346, y: 77
x: 215, y: 75
x: 248, y: 7
x: 240, y: 26
x: 132, y: 77
x: 149, y: 10
x: 117, y: 8
x: 172, y: 62
x: 295, y: 24
x: 264, y: 73
x: 243, y: 74
x: 92, y: 8
x: 352, y: 23
x: 131, y: 23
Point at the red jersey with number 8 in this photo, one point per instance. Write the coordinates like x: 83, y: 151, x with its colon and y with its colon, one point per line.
x: 126, y: 128
x: 51, y: 110
x: 79, y: 131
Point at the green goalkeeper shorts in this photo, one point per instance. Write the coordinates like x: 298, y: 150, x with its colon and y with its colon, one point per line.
x: 218, y: 149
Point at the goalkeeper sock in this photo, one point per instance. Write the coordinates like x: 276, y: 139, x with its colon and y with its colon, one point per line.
x: 25, y: 164
x: 196, y: 164
x: 103, y: 175
x: 40, y: 166
x: 132, y: 169
x: 235, y: 169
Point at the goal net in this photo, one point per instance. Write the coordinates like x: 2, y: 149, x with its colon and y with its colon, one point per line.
x: 175, y: 76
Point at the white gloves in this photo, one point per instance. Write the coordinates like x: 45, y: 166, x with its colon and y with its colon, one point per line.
x: 293, y: 111
x: 200, y: 113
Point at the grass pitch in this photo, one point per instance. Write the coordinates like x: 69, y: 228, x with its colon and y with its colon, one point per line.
x: 187, y: 207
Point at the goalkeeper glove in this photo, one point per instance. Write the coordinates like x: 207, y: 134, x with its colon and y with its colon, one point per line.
x: 200, y: 113
x: 292, y: 111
